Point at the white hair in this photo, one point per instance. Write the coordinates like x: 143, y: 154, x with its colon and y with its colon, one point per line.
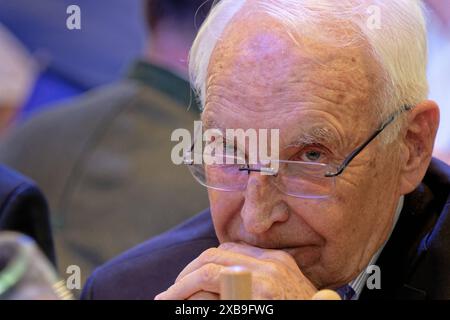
x: 398, y: 44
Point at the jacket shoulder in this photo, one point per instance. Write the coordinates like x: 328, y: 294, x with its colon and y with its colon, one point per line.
x: 151, y: 267
x: 23, y: 208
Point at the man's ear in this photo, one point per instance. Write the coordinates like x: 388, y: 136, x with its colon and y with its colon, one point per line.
x: 417, y: 146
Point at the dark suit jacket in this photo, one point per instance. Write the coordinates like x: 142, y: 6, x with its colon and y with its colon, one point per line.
x: 103, y: 162
x: 415, y: 263
x: 23, y: 209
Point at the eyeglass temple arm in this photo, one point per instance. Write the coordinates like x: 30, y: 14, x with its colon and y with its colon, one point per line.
x: 358, y: 150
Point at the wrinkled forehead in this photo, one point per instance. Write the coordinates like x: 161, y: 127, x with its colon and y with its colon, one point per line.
x: 259, y: 76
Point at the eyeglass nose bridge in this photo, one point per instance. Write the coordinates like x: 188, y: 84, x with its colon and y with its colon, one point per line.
x: 275, y: 173
x: 269, y: 171
x: 265, y: 171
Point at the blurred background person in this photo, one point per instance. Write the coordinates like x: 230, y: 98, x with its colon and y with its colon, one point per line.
x: 439, y: 70
x: 23, y: 208
x: 103, y: 159
x: 113, y: 33
x: 17, y: 77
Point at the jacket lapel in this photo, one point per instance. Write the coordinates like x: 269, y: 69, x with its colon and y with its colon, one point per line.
x: 404, y: 263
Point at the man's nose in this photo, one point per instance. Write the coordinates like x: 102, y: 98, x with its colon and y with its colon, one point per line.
x: 262, y: 205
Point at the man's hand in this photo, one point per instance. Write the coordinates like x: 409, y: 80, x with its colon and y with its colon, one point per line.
x: 275, y: 274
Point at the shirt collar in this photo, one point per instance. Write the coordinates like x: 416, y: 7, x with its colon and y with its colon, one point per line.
x: 359, y: 282
x: 165, y: 81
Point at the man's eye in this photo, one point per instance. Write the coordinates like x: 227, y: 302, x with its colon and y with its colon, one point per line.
x: 311, y: 155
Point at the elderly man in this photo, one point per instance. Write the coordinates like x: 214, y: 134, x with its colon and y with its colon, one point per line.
x: 345, y: 85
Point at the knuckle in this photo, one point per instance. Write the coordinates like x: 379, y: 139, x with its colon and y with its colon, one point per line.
x: 271, y: 267
x: 209, y: 273
x: 226, y: 245
x: 280, y: 256
x: 268, y: 290
x: 209, y: 255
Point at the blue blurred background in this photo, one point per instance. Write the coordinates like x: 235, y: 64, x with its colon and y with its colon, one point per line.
x: 113, y: 34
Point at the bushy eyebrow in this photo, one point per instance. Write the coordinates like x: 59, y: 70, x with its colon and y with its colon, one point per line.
x: 315, y: 135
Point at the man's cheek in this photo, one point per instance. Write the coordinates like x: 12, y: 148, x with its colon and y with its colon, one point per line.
x: 325, y: 217
x: 224, y: 202
x: 225, y: 208
x: 214, y: 196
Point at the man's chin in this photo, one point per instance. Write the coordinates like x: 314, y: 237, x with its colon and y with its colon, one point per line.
x: 305, y: 256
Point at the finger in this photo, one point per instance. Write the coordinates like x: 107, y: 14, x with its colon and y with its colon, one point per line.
x: 326, y: 295
x: 261, y: 254
x: 206, y: 278
x: 242, y: 248
x: 220, y: 257
x: 203, y: 295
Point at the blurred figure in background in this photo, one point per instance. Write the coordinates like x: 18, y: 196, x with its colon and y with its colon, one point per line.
x: 23, y: 208
x: 104, y: 159
x: 112, y: 35
x: 439, y: 70
x: 17, y: 77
